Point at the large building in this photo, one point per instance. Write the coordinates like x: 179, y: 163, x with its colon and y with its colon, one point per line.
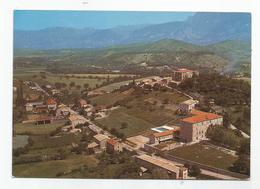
x: 181, y: 74
x: 114, y: 146
x: 194, y: 128
x: 101, y: 140
x: 154, y: 162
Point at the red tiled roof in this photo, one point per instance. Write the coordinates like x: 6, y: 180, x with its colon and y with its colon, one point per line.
x: 112, y: 141
x: 165, y: 133
x: 199, y: 116
x: 51, y: 101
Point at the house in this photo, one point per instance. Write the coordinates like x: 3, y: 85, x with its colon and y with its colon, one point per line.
x: 154, y: 162
x: 77, y: 119
x: 51, y: 104
x: 82, y: 103
x: 94, y: 148
x: 41, y: 108
x: 31, y: 105
x: 101, y: 140
x: 156, y: 138
x: 42, y: 120
x: 137, y: 141
x: 114, y: 146
x: 188, y: 105
x: 181, y: 74
x: 55, y: 92
x: 194, y: 128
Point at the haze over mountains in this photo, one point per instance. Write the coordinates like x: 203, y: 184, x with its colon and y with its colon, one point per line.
x: 200, y: 29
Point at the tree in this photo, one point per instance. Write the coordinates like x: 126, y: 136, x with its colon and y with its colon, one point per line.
x: 194, y: 171
x: 78, y: 87
x: 124, y: 125
x: 244, y: 147
x: 159, y: 174
x: 242, y: 165
x: 72, y: 84
x: 86, y: 85
x: 19, y: 99
x: 226, y: 120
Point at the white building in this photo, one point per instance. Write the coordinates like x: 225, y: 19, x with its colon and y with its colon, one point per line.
x: 188, y: 105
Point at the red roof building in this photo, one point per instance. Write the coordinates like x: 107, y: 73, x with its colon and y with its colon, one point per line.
x: 194, y: 128
x: 52, y: 104
x: 114, y: 146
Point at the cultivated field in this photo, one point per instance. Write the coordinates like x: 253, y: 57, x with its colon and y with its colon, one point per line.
x: 32, y: 129
x: 50, y: 169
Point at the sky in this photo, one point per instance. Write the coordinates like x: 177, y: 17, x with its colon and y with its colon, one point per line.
x: 36, y: 20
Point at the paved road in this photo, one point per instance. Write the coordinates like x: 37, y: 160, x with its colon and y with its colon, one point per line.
x: 233, y: 127
x: 217, y: 175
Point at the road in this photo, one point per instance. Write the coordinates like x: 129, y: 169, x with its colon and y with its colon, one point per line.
x: 217, y: 175
x: 233, y: 127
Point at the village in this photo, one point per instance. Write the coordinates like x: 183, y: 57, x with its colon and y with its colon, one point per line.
x: 151, y: 144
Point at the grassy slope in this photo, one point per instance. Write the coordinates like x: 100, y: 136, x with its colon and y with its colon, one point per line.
x: 23, y: 128
x: 160, y: 52
x: 140, y: 114
x: 118, y: 116
x: 49, y: 169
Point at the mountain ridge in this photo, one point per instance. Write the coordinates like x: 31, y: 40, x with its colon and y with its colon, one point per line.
x: 202, y: 29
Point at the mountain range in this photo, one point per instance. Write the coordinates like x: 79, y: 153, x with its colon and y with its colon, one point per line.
x: 199, y: 29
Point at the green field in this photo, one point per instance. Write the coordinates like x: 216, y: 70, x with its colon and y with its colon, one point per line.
x: 108, y: 99
x: 118, y: 116
x: 140, y: 113
x: 114, y: 86
x: 205, y: 155
x: 20, y: 141
x: 32, y: 129
x: 50, y: 169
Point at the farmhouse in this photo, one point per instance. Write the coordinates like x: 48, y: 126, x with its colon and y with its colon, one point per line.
x: 194, y: 128
x: 77, y: 119
x: 42, y: 120
x: 51, y: 104
x: 40, y: 108
x: 181, y: 74
x: 82, y: 103
x: 101, y: 140
x: 94, y: 147
x: 31, y: 105
x: 188, y: 105
x: 153, y: 162
x: 114, y: 146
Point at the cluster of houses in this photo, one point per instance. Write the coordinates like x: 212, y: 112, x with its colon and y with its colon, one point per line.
x: 173, y: 81
x: 103, y: 143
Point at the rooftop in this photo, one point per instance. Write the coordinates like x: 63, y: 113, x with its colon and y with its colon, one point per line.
x: 199, y: 116
x: 190, y: 102
x: 165, y: 133
x: 163, y: 163
x: 183, y: 70
x: 74, y: 117
x: 112, y: 141
x: 100, y: 137
x: 92, y: 145
x: 51, y: 101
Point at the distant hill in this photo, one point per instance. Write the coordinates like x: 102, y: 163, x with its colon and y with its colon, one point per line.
x: 202, y: 29
x: 223, y: 56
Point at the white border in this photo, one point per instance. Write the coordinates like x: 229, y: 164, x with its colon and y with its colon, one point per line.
x: 6, y: 50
